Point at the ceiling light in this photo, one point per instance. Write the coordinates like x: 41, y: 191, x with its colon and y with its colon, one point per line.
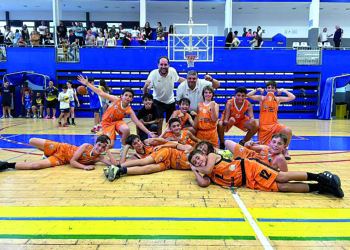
x: 255, y: 8
x: 321, y: 8
x: 25, y: 6
x: 133, y: 7
x: 79, y: 6
x: 240, y: 8
x: 345, y: 9
x: 186, y: 8
x: 106, y: 7
x: 213, y: 8
x: 202, y: 8
x: 294, y: 8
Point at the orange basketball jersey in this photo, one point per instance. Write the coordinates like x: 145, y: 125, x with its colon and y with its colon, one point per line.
x: 266, y: 157
x: 204, y: 117
x: 227, y: 173
x: 182, y: 119
x: 183, y: 139
x: 235, y: 112
x: 179, y: 159
x: 268, y: 110
x: 115, y: 112
x: 147, y: 150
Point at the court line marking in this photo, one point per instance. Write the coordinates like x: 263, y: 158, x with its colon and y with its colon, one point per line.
x: 21, y: 155
x: 308, y: 162
x: 118, y: 219
x: 16, y: 151
x: 332, y: 153
x: 304, y: 220
x: 262, y: 238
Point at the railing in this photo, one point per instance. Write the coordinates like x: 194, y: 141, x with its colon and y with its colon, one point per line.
x: 3, y: 54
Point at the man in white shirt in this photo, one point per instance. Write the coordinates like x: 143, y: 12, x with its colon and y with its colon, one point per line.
x: 193, y: 87
x: 162, y: 81
x: 8, y: 36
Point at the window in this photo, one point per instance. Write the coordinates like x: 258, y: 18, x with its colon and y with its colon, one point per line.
x: 29, y: 24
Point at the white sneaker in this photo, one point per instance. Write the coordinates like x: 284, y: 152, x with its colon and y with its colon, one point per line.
x: 44, y: 156
x: 34, y: 116
x: 10, y: 116
x: 2, y: 117
x: 122, y: 150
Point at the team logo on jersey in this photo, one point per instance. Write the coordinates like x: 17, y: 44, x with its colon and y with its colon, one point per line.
x: 270, y: 98
x: 204, y: 111
x: 263, y: 157
x: 270, y: 159
x: 51, y: 146
x: 238, y: 116
x: 160, y: 158
x: 108, y: 134
x: 241, y: 149
x: 232, y: 167
x: 262, y: 152
x: 84, y: 154
x: 115, y: 107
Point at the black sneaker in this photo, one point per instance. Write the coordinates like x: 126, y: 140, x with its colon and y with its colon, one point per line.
x: 73, y: 124
x: 222, y: 145
x: 337, y: 192
x: 330, y: 180
x: 286, y: 155
x: 3, y: 165
x: 68, y: 123
x: 241, y: 142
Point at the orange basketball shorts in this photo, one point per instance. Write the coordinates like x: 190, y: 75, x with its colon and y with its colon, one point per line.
x: 111, y: 128
x: 208, y: 135
x: 56, y: 152
x: 267, y: 131
x: 162, y: 157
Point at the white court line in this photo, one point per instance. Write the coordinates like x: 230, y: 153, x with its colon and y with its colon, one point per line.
x: 21, y: 155
x: 263, y: 240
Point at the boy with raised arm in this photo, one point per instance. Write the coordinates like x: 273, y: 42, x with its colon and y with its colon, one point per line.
x: 58, y: 154
x: 268, y: 124
x: 254, y: 174
x: 119, y: 108
x: 239, y: 113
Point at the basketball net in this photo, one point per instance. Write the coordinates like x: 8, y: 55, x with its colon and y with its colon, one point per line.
x: 190, y: 60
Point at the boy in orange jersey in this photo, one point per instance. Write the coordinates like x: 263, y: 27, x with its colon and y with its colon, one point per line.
x: 181, y: 136
x: 164, y: 157
x: 268, y: 124
x: 270, y: 155
x: 207, y: 117
x: 119, y: 108
x: 58, y: 154
x: 182, y: 114
x: 254, y: 174
x: 239, y: 113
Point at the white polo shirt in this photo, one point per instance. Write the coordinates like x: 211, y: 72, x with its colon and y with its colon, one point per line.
x: 163, y: 87
x: 195, y: 95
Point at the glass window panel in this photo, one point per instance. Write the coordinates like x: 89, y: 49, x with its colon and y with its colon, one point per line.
x: 51, y: 30
x: 29, y: 24
x: 13, y: 29
x: 84, y: 25
x: 51, y: 24
x: 2, y: 24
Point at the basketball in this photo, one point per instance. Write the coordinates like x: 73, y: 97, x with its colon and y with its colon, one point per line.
x: 82, y: 90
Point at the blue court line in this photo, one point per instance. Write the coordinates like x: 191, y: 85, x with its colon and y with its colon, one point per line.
x: 117, y: 219
x: 20, y: 155
x: 304, y: 220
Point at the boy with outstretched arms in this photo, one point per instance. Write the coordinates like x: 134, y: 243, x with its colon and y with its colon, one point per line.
x: 175, y: 133
x: 58, y: 154
x: 166, y: 156
x: 239, y: 113
x: 269, y: 103
x: 119, y: 108
x: 254, y: 174
x: 270, y: 155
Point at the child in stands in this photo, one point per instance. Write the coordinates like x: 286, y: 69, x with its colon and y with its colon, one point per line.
x: 58, y: 154
x: 239, y: 113
x: 112, y: 120
x: 206, y: 120
x: 268, y: 124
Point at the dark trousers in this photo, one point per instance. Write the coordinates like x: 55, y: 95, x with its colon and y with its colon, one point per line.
x: 336, y: 43
x: 167, y: 108
x: 153, y: 128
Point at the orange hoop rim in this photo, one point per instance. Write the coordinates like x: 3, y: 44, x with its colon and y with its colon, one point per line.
x: 191, y: 57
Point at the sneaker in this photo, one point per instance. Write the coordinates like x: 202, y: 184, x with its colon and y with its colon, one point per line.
x: 2, y: 117
x: 99, y: 127
x: 44, y: 157
x: 329, y: 180
x: 286, y: 155
x: 337, y: 192
x: 106, y: 171
x: 10, y: 116
x: 114, y: 173
x: 40, y: 117
x: 3, y: 165
x: 47, y: 117
x: 20, y: 116
x: 60, y: 124
x: 94, y: 130
x: 54, y: 117
x: 73, y: 124
x: 34, y: 116
x: 65, y: 125
x: 27, y: 116
x: 241, y: 142
x: 68, y: 123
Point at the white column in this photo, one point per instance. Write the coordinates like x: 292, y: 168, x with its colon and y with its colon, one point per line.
x: 57, y: 14
x: 228, y: 17
x: 142, y: 13
x: 314, y: 22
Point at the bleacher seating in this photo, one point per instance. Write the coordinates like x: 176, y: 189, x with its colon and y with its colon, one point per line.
x: 304, y: 106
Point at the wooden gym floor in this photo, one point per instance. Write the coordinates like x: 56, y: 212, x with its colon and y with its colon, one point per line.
x: 67, y: 208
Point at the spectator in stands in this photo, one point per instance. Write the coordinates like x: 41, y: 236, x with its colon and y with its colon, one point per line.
x: 143, y: 39
x: 117, y: 37
x: 71, y: 37
x: 323, y: 37
x: 100, y: 41
x: 16, y: 38
x: 135, y: 33
x: 338, y: 36
x: 74, y: 26
x: 160, y: 32
x: 94, y: 30
x: 42, y: 29
x: 51, y: 95
x: 110, y: 42
x: 73, y: 48
x: 36, y: 29
x: 192, y: 88
x: 259, y: 31
x: 249, y: 34
x: 244, y: 32
x: 47, y: 37
x: 121, y: 32
x: 79, y: 34
x: 64, y: 45
x: 23, y: 90
x: 231, y: 41
x: 25, y: 33
x: 126, y: 40
x: 61, y: 30
x: 21, y: 42
x: 90, y: 38
x: 162, y: 81
x: 148, y: 116
x: 235, y: 33
x: 113, y: 31
x: 171, y: 29
x: 35, y: 38
x: 8, y: 36
x: 148, y: 31
x: 256, y: 42
x: 105, y: 31
x: 6, y: 99
x: 38, y: 105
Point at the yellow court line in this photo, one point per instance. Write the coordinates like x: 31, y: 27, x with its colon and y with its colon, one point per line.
x: 300, y: 213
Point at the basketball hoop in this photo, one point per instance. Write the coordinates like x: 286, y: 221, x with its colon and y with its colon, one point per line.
x: 190, y: 60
